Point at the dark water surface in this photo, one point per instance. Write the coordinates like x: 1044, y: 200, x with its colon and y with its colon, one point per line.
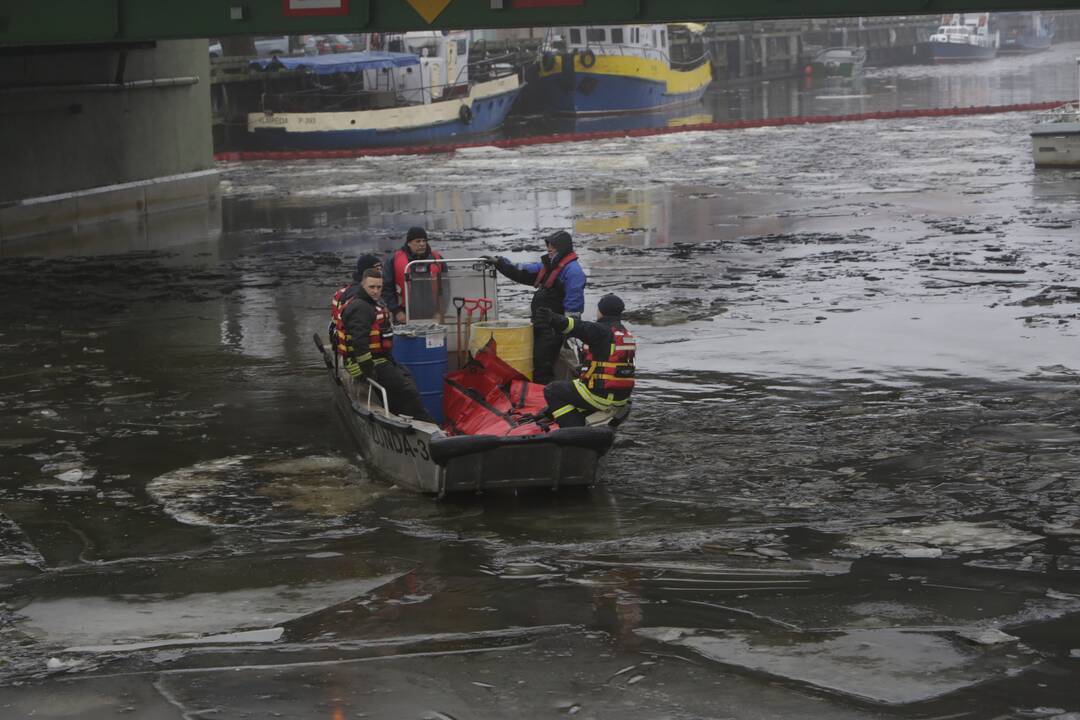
x: 848, y: 489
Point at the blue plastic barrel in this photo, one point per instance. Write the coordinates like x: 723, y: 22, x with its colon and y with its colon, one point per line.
x: 422, y: 349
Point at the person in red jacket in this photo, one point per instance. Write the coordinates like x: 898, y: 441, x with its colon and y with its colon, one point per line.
x: 426, y: 295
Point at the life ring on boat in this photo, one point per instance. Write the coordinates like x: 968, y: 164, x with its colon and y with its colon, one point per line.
x: 588, y: 58
x: 547, y: 61
x: 465, y: 113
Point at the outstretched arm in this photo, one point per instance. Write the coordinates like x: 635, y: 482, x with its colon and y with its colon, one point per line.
x: 574, y: 279
x: 524, y: 274
x: 589, y: 333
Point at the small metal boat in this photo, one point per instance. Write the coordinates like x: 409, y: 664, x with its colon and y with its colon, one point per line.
x: 1055, y: 138
x: 426, y: 458
x: 839, y: 61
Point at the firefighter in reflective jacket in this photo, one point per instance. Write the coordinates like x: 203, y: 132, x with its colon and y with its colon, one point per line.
x: 607, y: 376
x: 364, y: 337
x: 560, y: 287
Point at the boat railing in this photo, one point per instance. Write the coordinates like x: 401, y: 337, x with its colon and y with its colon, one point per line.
x: 332, y: 96
x: 1069, y: 112
x: 429, y: 296
x: 624, y: 50
x: 372, y: 385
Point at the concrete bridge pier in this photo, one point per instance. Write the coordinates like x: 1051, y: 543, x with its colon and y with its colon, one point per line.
x: 106, y: 148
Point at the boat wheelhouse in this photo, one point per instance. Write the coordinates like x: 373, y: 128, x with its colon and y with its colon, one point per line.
x: 595, y: 70
x: 423, y: 93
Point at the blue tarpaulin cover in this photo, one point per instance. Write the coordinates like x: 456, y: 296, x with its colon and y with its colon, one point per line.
x: 340, y: 62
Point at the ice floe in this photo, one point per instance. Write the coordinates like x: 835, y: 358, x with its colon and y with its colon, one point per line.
x: 931, y: 540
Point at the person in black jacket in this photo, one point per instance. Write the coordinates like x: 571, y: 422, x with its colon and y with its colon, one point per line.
x: 365, y: 337
x: 607, y: 375
x: 560, y: 287
x: 348, y: 292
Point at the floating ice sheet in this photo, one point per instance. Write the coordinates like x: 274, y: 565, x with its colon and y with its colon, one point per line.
x: 97, y: 621
x: 884, y: 666
x: 935, y: 539
x: 246, y: 491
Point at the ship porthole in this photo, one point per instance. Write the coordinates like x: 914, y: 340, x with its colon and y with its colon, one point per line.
x: 588, y: 58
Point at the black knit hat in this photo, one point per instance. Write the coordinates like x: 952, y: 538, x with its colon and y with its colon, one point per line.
x: 561, y: 241
x: 415, y: 232
x: 365, y: 262
x: 611, y: 306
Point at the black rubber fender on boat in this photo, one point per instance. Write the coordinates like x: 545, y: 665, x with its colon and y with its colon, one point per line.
x: 547, y: 61
x: 598, y: 438
x: 466, y: 114
x: 588, y: 58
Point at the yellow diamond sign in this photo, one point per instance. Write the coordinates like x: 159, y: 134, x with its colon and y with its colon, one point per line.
x: 428, y: 9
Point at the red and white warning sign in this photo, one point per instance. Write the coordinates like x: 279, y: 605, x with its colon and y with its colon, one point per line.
x: 316, y: 7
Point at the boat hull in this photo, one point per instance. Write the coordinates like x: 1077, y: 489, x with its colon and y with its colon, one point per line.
x: 845, y: 69
x: 1024, y: 45
x: 419, y: 457
x: 486, y: 108
x: 618, y: 84
x: 1057, y: 145
x: 957, y: 52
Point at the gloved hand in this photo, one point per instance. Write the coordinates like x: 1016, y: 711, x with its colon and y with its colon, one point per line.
x: 353, y: 368
x: 542, y: 317
x: 490, y: 259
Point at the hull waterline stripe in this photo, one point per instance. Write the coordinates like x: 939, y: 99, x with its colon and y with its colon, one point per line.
x: 252, y: 155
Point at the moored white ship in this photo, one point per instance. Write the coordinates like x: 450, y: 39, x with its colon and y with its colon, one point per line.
x: 1055, y: 138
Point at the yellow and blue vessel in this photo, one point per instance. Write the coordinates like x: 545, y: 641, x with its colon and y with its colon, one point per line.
x: 618, y: 69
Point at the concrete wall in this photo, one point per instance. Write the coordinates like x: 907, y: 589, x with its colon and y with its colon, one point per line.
x: 61, y: 141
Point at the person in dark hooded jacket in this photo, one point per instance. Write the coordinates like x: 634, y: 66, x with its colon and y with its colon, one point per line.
x: 560, y: 287
x: 348, y: 292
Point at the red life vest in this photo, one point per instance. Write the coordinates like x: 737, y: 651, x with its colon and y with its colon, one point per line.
x: 548, y: 277
x: 613, y: 378
x: 339, y: 338
x: 380, y: 338
x: 400, y: 261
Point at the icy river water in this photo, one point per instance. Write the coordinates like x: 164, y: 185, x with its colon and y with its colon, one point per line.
x: 848, y: 488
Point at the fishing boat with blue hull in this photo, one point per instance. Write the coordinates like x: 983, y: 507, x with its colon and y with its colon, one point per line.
x: 620, y: 69
x: 1023, y: 32
x: 425, y: 95
x: 962, y: 37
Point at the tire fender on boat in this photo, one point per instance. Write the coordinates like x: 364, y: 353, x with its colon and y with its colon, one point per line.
x: 547, y: 61
x: 588, y: 58
x: 466, y: 114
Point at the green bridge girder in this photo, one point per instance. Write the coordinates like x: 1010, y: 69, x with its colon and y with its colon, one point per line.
x: 61, y: 22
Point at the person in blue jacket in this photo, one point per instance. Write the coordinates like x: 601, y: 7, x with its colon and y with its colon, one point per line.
x: 560, y: 287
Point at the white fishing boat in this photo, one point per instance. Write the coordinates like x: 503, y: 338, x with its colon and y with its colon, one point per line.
x: 423, y: 91
x: 1055, y: 138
